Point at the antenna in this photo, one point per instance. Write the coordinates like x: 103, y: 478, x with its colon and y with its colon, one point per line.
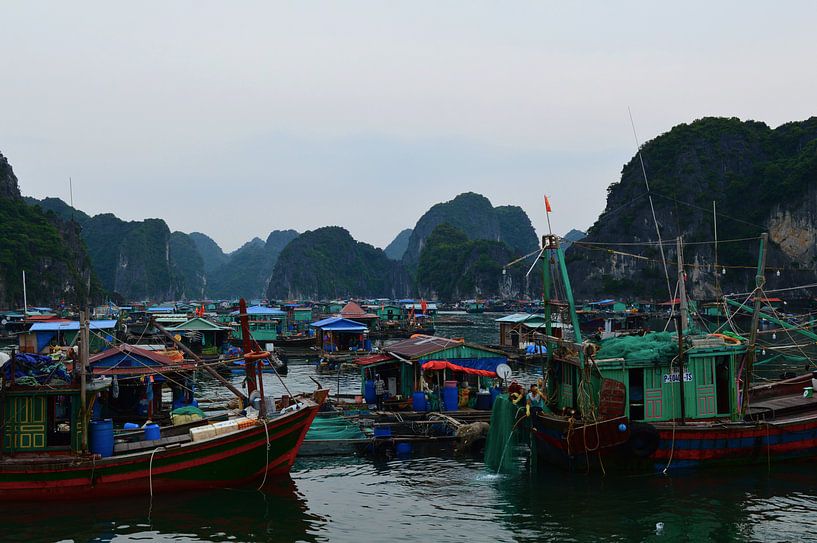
x: 652, y: 208
x: 71, y: 197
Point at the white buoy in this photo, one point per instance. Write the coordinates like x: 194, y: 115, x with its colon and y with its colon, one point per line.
x: 659, y: 528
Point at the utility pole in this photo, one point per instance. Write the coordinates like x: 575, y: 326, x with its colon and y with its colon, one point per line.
x: 760, y: 280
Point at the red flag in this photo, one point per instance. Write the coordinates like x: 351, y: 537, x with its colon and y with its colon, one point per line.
x: 424, y: 306
x: 547, y: 204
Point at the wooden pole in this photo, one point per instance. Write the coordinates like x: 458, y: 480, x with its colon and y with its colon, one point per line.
x: 198, y: 360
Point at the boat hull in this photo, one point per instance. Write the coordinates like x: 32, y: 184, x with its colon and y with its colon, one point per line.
x: 659, y: 447
x: 236, y: 459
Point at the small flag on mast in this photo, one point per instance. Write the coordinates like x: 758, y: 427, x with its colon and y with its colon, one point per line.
x: 547, y: 204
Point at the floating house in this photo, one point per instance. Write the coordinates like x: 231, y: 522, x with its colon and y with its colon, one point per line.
x: 337, y: 334
x: 298, y: 318
x: 517, y: 331
x: 474, y: 306
x: 202, y: 336
x: 42, y: 337
x: 437, y: 359
x: 390, y: 312
x: 266, y: 323
x: 353, y: 311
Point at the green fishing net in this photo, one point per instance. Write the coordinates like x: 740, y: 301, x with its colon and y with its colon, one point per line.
x: 324, y: 428
x: 653, y: 346
x: 503, y: 436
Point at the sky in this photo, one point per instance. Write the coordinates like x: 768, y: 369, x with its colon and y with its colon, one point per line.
x: 238, y: 118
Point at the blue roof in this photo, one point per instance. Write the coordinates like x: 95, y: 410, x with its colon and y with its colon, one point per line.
x: 339, y: 324
x: 161, y: 309
x: 261, y: 310
x: 70, y: 325
x: 608, y: 301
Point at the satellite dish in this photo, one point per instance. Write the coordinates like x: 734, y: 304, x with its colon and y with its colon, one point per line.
x: 504, y: 371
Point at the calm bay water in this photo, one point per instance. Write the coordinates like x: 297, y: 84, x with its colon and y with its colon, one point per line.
x: 443, y: 499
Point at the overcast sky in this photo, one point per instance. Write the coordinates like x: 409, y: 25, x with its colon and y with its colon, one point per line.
x: 237, y: 118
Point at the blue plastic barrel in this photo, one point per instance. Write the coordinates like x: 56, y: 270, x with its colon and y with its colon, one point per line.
x: 368, y: 392
x: 152, y: 432
x: 100, y: 437
x: 131, y: 426
x: 451, y: 398
x: 403, y: 449
x: 495, y: 391
x: 382, y: 431
x: 484, y: 401
x: 418, y: 401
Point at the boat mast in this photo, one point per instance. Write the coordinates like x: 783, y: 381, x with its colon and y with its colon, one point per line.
x: 682, y: 291
x: 25, y: 296
x: 760, y: 280
x: 545, y: 256
x: 83, y: 384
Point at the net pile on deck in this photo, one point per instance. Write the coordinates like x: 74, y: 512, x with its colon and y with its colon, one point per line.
x: 35, y: 370
x: 649, y: 347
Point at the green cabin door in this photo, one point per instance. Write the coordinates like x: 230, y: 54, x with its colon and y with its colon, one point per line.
x: 566, y: 392
x: 653, y: 394
x: 703, y: 377
x: 25, y: 423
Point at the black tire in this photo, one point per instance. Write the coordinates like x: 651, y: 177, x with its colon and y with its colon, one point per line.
x: 644, y: 440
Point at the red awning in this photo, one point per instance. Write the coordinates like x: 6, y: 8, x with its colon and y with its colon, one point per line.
x: 446, y: 365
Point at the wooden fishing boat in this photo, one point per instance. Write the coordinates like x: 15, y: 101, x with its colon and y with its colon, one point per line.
x: 51, y: 449
x: 663, y: 401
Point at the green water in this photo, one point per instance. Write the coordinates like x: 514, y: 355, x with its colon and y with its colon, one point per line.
x: 433, y: 499
x: 442, y: 499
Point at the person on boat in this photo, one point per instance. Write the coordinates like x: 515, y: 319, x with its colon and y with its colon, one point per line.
x: 535, y: 400
x: 379, y: 391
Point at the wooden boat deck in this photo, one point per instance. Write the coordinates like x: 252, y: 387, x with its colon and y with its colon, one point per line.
x: 775, y: 408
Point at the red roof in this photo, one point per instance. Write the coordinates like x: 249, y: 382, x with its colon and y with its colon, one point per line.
x: 43, y: 318
x: 352, y: 310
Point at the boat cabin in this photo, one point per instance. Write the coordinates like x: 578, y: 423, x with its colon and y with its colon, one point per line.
x: 645, y: 369
x: 266, y: 323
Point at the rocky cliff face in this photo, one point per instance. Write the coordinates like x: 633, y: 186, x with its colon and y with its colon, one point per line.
x: 46, y: 247
x: 329, y: 263
x: 475, y: 215
x: 761, y: 179
x: 397, y: 248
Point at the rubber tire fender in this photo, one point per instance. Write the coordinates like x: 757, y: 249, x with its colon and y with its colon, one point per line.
x: 644, y: 440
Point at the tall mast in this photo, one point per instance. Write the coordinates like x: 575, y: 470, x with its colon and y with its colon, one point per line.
x: 682, y: 291
x: 760, y: 280
x: 25, y: 296
x: 83, y: 384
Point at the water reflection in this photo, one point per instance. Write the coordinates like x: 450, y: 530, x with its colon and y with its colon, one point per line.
x: 280, y: 513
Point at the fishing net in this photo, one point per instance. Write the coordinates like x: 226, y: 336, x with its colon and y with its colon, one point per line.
x: 503, y: 435
x: 654, y: 346
x: 326, y: 428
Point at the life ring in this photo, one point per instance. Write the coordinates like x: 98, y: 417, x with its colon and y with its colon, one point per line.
x: 644, y: 440
x: 730, y: 339
x: 256, y: 356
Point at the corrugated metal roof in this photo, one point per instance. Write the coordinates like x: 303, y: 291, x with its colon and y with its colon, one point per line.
x: 134, y: 352
x: 61, y: 326
x: 352, y: 310
x: 421, y: 346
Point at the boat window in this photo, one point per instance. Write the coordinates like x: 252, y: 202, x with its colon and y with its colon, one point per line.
x: 636, y: 394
